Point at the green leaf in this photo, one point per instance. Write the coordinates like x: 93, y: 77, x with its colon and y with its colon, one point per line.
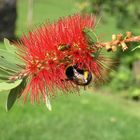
x: 90, y: 35
x: 10, y: 57
x: 48, y: 103
x: 10, y: 48
x: 9, y: 60
x: 136, y: 48
x: 96, y: 54
x: 4, y: 75
x: 8, y: 86
x: 8, y: 65
x: 14, y: 94
x: 4, y: 71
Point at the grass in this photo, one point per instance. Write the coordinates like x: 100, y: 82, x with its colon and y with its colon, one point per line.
x: 91, y: 116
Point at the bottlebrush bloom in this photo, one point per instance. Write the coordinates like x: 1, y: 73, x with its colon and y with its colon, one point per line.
x: 57, y: 57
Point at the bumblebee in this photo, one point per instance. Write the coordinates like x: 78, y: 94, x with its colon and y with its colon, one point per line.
x: 78, y: 76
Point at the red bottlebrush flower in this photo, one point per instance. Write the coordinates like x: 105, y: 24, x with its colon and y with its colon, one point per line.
x: 57, y: 57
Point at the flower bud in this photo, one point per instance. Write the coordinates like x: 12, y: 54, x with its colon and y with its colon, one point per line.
x: 128, y: 34
x: 119, y: 37
x: 108, y: 47
x: 114, y: 37
x: 124, y: 46
x: 114, y: 48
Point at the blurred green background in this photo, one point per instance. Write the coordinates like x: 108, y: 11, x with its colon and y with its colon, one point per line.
x: 111, y: 112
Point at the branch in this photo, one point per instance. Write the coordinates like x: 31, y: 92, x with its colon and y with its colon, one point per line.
x: 118, y: 41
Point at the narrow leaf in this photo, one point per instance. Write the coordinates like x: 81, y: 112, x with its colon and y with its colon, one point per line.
x: 14, y: 94
x: 10, y: 48
x: 96, y: 54
x: 4, y: 75
x: 7, y: 86
x: 48, y: 104
x: 10, y: 57
x: 90, y: 35
x: 8, y: 65
x: 5, y: 71
x: 136, y: 48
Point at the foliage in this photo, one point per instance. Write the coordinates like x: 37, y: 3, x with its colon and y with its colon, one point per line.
x: 15, y: 93
x: 9, y: 65
x: 134, y: 93
x: 9, y: 85
x: 138, y: 47
x: 122, y: 79
x: 126, y: 12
